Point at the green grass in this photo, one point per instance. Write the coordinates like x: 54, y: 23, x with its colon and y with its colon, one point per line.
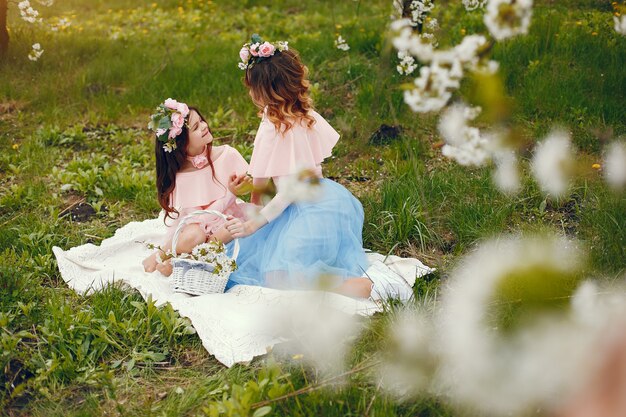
x: 75, y: 131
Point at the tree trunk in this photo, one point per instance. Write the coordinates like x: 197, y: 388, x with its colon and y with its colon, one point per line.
x: 4, y: 33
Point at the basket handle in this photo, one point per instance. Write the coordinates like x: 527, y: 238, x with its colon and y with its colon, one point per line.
x: 195, y: 213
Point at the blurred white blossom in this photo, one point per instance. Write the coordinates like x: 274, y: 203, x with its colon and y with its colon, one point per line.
x: 317, y: 329
x: 506, y: 175
x: 36, y: 52
x: 340, y: 43
x: 508, y: 18
x: 303, y: 186
x: 615, y: 165
x: 473, y: 4
x: 434, y: 87
x: 464, y: 143
x: 507, y: 373
x: 467, y: 51
x: 410, y: 360
x: 620, y: 24
x: 405, y: 40
x: 553, y: 162
x: 432, y: 24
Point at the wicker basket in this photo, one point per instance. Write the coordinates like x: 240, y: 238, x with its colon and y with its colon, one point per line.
x: 196, y: 277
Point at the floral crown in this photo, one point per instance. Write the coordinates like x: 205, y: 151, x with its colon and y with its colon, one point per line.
x: 257, y: 50
x: 168, y: 122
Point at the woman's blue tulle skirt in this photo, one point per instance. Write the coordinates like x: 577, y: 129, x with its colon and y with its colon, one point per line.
x: 311, y: 244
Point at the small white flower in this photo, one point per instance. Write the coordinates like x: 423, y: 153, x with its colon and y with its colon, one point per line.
x: 615, y: 165
x: 340, y: 43
x: 508, y: 18
x: 282, y: 46
x: 620, y: 24
x: 473, y: 4
x: 169, y: 146
x: 36, y: 52
x: 552, y: 163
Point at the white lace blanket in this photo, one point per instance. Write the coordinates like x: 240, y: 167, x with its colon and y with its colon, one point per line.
x: 225, y: 322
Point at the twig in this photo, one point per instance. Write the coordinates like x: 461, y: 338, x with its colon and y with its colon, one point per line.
x: 311, y: 388
x: 369, y: 406
x: 71, y: 206
x: 11, y: 219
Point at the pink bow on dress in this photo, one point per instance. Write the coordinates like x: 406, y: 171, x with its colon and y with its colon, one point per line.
x: 199, y: 161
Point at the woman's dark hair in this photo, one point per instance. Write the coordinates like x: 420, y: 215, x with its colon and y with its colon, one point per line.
x: 280, y: 83
x: 169, y: 163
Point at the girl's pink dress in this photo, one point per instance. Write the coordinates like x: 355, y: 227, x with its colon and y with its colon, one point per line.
x: 203, y: 189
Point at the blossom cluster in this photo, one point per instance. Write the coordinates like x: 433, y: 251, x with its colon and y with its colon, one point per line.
x: 523, y: 297
x: 417, y: 10
x: 27, y: 12
x: 257, y: 50
x: 36, y: 52
x: 341, y: 44
x: 213, y: 253
x: 438, y: 81
x: 168, y: 122
x: 31, y: 15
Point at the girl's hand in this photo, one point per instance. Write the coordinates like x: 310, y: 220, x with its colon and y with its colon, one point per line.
x: 239, y: 229
x: 240, y: 184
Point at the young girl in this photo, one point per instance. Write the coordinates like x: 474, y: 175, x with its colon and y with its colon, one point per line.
x: 291, y: 243
x: 192, y: 174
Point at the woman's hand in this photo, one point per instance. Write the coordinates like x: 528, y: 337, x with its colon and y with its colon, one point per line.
x: 240, y: 184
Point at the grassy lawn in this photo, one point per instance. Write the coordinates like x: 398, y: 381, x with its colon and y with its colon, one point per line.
x: 76, y: 163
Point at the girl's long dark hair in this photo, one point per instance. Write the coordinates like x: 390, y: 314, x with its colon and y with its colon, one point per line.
x: 169, y: 163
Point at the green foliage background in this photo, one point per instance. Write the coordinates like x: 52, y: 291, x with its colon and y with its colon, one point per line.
x: 72, y: 128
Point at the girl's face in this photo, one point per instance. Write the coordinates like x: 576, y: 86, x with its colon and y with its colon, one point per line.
x: 199, y: 134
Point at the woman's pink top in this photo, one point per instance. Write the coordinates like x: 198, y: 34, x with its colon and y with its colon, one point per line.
x: 204, y: 189
x: 278, y: 154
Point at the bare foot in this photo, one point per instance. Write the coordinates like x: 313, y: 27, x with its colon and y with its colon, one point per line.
x: 165, y: 268
x: 150, y: 263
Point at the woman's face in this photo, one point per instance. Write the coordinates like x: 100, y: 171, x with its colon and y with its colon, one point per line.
x: 199, y: 134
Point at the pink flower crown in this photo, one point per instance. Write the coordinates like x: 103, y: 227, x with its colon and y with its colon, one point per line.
x: 257, y: 50
x: 168, y: 122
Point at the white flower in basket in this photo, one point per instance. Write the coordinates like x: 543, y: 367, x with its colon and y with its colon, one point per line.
x: 207, y: 268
